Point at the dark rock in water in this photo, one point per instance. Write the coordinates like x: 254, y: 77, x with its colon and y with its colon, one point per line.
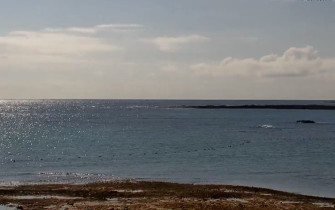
x: 305, y: 121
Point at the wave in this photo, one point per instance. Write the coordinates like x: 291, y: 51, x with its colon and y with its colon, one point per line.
x: 266, y: 126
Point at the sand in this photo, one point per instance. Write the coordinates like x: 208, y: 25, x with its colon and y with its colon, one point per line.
x: 153, y: 195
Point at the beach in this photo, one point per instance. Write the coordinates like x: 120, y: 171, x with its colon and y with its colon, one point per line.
x: 132, y: 194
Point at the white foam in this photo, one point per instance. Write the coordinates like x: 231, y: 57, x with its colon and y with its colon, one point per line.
x: 266, y: 194
x: 322, y: 204
x: 31, y: 197
x: 290, y: 202
x: 130, y: 191
x: 112, y: 199
x: 237, y: 200
x: 266, y: 126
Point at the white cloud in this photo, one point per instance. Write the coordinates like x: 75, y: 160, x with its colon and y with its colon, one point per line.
x: 172, y: 44
x: 297, y: 62
x: 119, y: 26
x: 54, y: 45
x: 97, y: 28
x: 32, y: 42
x: 79, y: 30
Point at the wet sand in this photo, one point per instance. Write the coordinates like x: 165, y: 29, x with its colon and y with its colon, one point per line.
x: 153, y: 195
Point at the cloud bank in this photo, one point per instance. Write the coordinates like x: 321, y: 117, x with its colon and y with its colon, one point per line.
x: 118, y: 61
x: 294, y: 62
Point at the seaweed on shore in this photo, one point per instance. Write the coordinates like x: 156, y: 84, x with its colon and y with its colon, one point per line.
x: 155, y: 195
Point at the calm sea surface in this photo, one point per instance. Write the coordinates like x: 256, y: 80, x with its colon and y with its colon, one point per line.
x: 74, y: 141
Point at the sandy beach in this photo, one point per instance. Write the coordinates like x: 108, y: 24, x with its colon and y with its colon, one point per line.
x: 153, y: 195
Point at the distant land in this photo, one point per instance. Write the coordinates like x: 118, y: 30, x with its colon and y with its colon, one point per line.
x: 311, y: 107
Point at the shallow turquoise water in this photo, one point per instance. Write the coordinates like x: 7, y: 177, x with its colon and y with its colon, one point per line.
x: 95, y: 140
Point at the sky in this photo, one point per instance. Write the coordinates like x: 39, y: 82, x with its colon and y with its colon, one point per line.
x: 175, y: 49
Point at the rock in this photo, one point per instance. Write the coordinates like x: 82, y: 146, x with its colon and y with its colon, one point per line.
x: 305, y: 121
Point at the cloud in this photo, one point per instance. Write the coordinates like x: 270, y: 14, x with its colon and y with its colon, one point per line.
x: 97, y: 28
x: 294, y: 62
x: 74, y: 62
x: 30, y: 42
x: 52, y: 44
x: 173, y: 44
x: 119, y: 26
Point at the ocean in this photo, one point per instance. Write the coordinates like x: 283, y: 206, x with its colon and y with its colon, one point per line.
x: 81, y: 141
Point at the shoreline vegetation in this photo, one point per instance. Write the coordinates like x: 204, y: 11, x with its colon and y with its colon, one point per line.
x: 253, y: 106
x: 153, y: 195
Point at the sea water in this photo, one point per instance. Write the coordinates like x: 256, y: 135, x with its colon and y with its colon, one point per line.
x: 79, y: 141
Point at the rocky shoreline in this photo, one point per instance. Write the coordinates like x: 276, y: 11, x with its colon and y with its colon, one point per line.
x: 153, y: 195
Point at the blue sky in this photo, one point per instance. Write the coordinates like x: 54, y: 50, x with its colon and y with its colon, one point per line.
x: 176, y: 49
